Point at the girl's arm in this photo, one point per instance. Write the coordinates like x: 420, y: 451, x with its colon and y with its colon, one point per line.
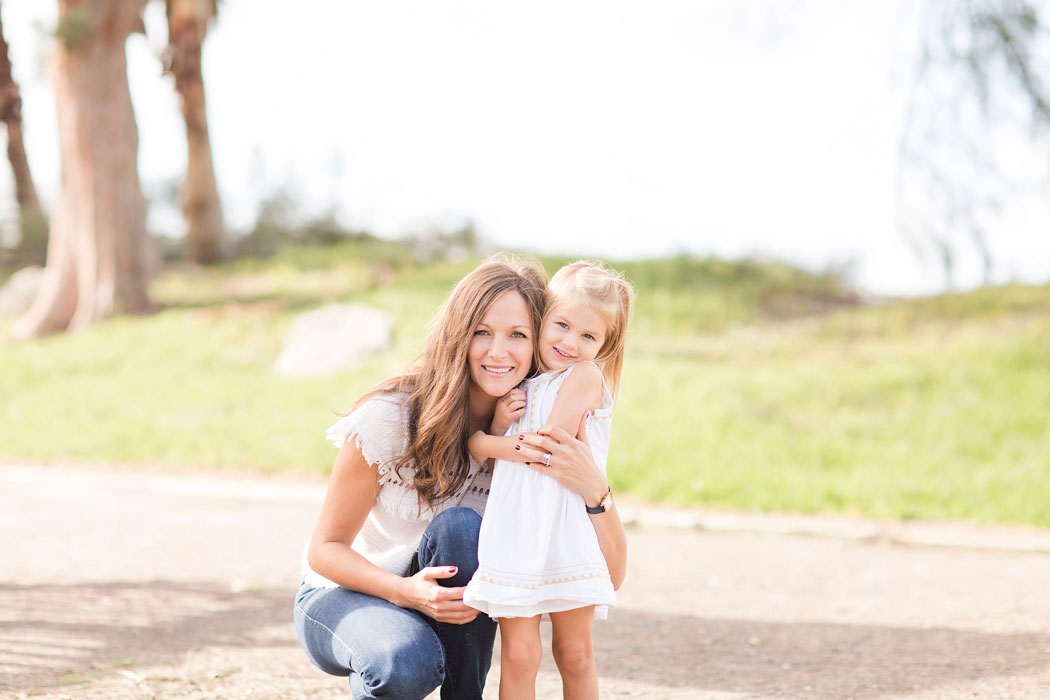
x: 493, y: 445
x: 483, y: 446
x: 579, y: 393
x: 352, y: 491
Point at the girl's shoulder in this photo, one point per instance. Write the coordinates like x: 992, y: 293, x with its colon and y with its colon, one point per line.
x: 589, y: 368
x: 586, y: 376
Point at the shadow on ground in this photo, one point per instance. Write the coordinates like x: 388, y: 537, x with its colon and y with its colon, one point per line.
x: 54, y: 634
x: 50, y: 634
x: 806, y: 659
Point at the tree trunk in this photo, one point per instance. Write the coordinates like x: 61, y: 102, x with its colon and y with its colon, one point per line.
x: 97, y: 260
x: 32, y: 218
x: 187, y: 27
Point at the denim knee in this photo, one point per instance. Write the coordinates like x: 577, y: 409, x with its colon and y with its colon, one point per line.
x: 457, y: 522
x: 401, y: 671
x: 451, y: 539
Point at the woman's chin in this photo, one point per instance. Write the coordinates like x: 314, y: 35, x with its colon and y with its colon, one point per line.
x: 498, y: 386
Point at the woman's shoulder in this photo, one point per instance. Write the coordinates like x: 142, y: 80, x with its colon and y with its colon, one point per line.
x: 380, y: 425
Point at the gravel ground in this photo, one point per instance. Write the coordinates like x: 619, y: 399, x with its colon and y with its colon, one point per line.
x: 152, y: 585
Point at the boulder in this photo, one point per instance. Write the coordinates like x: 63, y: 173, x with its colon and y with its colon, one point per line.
x: 19, y: 291
x: 333, y: 338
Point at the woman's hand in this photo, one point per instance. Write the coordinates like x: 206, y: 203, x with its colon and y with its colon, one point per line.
x: 571, y: 462
x: 423, y: 593
x: 509, y: 408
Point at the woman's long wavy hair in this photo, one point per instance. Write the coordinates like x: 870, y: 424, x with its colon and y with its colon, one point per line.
x: 606, y: 290
x: 438, y: 385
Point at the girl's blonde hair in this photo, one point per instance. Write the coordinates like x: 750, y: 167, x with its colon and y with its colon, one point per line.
x: 437, y: 388
x: 611, y: 295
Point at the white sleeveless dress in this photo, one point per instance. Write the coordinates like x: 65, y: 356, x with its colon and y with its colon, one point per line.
x: 538, y: 551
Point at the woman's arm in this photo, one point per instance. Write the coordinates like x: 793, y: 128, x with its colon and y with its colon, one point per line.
x: 352, y: 491
x: 572, y: 465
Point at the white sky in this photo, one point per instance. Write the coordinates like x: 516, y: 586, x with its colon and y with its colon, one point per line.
x: 619, y: 128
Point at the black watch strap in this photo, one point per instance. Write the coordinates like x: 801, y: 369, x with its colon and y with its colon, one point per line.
x: 600, y: 508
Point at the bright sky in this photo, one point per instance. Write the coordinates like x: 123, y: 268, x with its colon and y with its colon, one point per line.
x: 619, y: 128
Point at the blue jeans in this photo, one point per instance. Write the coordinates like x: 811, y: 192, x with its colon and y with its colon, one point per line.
x: 392, y: 652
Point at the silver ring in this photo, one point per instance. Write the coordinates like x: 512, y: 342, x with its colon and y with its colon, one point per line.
x: 547, y: 459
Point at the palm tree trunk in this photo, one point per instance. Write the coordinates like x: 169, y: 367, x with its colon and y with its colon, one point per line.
x: 97, y: 258
x: 187, y: 27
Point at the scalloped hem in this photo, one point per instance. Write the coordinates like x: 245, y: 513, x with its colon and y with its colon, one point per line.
x: 500, y: 610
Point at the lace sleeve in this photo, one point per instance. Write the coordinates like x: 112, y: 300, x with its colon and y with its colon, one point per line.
x: 379, y: 428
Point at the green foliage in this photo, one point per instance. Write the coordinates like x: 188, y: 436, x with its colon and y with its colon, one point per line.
x: 733, y: 397
x: 74, y: 27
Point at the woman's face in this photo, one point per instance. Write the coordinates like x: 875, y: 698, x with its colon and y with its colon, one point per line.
x: 500, y: 353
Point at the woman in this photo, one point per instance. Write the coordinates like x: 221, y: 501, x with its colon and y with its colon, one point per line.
x: 396, y: 541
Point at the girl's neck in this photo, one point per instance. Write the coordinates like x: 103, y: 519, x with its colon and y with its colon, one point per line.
x: 482, y: 407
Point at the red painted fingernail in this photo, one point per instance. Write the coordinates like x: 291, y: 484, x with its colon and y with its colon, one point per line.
x: 521, y: 437
x: 517, y: 447
x: 452, y: 569
x: 528, y: 462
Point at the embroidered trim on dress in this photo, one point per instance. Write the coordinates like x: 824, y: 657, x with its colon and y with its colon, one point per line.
x: 547, y: 581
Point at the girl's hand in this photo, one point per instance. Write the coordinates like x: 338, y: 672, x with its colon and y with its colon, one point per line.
x: 571, y: 462
x: 509, y: 408
x: 423, y: 593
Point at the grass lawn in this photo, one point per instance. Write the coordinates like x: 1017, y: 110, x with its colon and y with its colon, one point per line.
x: 747, y: 386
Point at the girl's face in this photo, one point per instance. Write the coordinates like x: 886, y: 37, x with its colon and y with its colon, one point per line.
x: 500, y: 352
x: 571, y: 334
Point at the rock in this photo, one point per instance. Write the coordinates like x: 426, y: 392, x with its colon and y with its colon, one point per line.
x: 20, y: 290
x: 333, y: 338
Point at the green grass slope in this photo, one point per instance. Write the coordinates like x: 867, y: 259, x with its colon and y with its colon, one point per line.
x: 748, y: 385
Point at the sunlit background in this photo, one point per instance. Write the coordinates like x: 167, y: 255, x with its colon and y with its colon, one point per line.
x: 616, y: 128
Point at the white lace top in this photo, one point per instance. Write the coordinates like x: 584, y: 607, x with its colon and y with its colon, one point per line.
x: 395, y: 525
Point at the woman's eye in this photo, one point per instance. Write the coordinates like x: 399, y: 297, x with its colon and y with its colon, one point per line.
x: 481, y: 332
x: 517, y: 334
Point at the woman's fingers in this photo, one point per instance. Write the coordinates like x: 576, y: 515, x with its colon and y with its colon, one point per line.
x: 560, y: 434
x: 539, y: 442
x: 532, y: 454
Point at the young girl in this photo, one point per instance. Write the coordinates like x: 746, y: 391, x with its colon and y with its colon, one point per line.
x: 539, y: 552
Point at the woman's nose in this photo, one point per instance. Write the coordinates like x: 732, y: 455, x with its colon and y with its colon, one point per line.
x: 498, y: 347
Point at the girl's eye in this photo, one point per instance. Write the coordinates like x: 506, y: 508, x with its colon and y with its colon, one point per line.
x: 561, y: 324
x: 588, y: 336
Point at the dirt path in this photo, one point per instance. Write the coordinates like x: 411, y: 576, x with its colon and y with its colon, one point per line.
x: 120, y: 585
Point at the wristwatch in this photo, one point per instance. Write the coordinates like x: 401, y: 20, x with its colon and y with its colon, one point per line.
x: 602, y: 504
